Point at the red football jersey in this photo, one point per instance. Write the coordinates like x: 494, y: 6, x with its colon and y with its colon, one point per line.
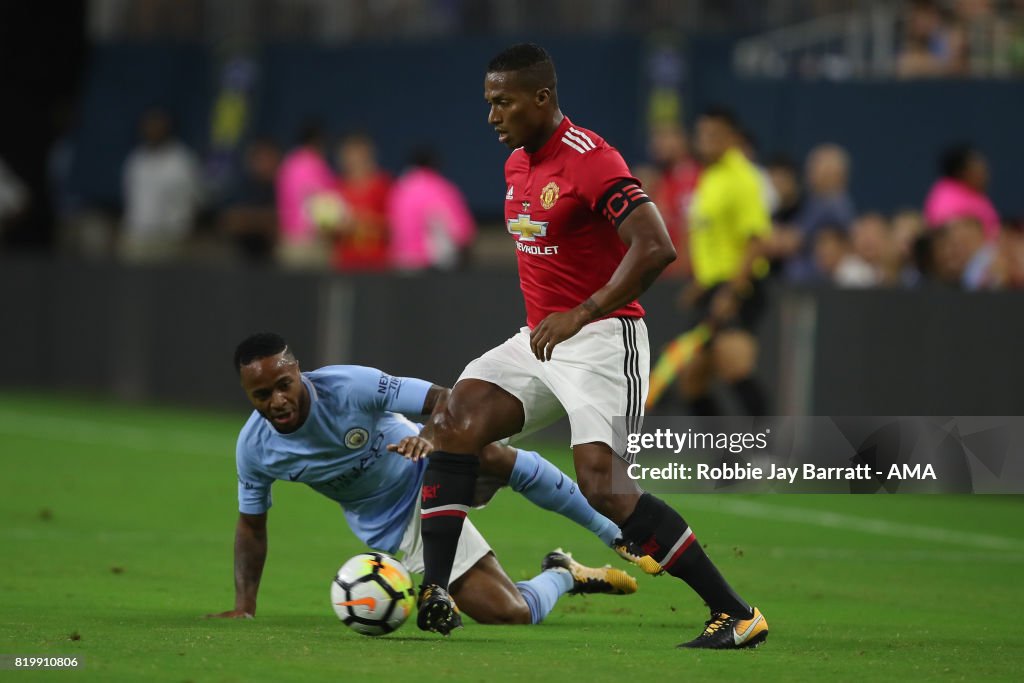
x: 563, y: 206
x: 366, y: 248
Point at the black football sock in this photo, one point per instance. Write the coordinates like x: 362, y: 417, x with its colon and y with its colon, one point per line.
x: 704, y: 406
x: 664, y: 535
x: 446, y: 496
x: 751, y: 396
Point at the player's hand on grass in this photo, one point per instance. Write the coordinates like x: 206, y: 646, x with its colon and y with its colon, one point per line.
x: 554, y: 330
x: 412, y: 447
x: 231, y: 614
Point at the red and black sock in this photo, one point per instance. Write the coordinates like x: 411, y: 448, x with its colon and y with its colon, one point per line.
x: 447, y: 495
x: 664, y: 535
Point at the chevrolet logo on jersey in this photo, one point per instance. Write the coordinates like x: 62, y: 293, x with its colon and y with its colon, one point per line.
x: 527, y: 230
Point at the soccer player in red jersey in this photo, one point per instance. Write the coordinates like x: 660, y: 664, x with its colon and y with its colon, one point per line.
x: 589, y: 242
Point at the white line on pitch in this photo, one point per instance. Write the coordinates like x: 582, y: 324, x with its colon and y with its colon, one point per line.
x: 882, y: 555
x: 837, y: 520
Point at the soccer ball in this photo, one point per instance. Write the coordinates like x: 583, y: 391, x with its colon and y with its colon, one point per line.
x: 373, y: 594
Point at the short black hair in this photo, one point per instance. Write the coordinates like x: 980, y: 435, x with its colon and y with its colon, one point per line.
x: 312, y: 133
x: 954, y: 159
x: 530, y: 61
x: 259, y: 345
x: 922, y: 251
x: 425, y: 156
x: 783, y: 161
x: 725, y: 115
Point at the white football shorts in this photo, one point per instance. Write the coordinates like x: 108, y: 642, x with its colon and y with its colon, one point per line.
x: 471, y: 549
x: 600, y: 373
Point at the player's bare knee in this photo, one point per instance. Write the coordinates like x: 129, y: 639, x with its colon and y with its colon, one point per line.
x: 522, y: 615
x: 451, y: 432
x: 593, y: 481
x: 508, y: 612
x: 516, y: 614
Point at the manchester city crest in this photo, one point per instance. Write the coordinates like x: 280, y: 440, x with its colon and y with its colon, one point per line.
x: 356, y: 438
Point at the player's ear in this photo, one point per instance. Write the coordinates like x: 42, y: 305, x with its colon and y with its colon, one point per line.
x: 542, y: 96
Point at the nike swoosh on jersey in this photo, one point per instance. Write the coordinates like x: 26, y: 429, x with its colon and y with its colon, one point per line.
x: 561, y: 478
x: 294, y: 477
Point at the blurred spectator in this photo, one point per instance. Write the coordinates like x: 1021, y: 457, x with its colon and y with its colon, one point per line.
x: 1014, y: 48
x: 984, y: 34
x: 180, y: 19
x: 250, y: 217
x: 837, y: 263
x: 932, y: 46
x: 927, y: 259
x: 960, y: 191
x: 907, y: 226
x: 748, y: 145
x: 827, y: 203
x: 362, y: 239
x: 785, y: 240
x: 162, y: 193
x: 14, y: 198
x: 306, y: 201
x: 673, y: 186
x: 1012, y: 247
x: 785, y: 179
x: 872, y: 245
x: 431, y: 226
x: 971, y: 256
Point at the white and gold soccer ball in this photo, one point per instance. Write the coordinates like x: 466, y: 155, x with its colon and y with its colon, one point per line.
x: 373, y: 594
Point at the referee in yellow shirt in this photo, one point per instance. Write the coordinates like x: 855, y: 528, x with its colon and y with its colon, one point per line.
x: 729, y: 226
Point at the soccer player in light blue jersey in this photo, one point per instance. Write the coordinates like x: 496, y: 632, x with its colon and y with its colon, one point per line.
x: 343, y: 430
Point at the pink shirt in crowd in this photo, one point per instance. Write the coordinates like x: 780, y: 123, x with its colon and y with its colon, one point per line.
x: 303, y: 173
x: 949, y: 199
x: 430, y: 221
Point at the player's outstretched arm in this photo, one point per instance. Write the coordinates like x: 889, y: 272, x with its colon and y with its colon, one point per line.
x: 436, y: 399
x: 250, y: 556
x: 420, y: 446
x: 650, y: 252
x: 434, y: 404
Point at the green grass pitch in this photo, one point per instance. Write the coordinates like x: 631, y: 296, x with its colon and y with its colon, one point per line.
x: 116, y: 527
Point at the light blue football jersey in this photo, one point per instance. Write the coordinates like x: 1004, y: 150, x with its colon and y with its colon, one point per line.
x: 341, y: 451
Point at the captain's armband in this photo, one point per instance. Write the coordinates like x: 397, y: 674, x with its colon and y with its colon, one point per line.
x: 620, y: 200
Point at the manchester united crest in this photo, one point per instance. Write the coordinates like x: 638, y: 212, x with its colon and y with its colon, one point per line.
x: 549, y: 195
